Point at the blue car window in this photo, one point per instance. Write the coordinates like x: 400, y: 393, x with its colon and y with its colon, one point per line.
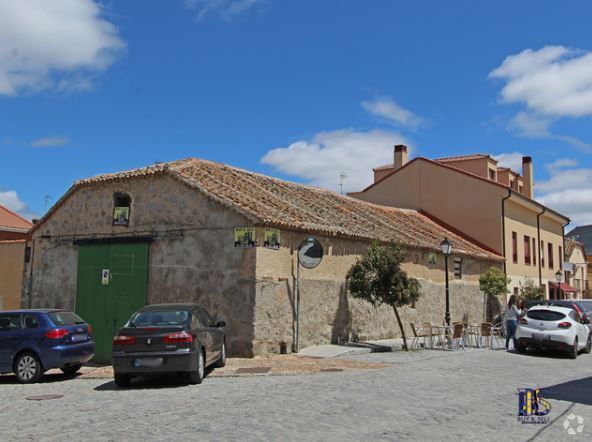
x: 10, y: 322
x: 31, y: 321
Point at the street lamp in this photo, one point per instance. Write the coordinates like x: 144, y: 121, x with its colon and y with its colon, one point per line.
x: 558, y: 276
x: 446, y: 250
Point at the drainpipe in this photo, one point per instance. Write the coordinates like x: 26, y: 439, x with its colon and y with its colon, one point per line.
x: 504, y: 228
x: 31, y: 269
x: 539, y: 244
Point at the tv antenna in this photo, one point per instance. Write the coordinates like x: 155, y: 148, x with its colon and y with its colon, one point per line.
x: 47, y: 198
x: 342, y: 176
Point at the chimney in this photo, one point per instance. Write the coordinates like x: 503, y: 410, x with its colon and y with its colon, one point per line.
x: 400, y: 156
x: 527, y: 177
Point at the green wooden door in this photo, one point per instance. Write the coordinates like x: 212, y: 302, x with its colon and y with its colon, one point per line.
x: 107, y: 302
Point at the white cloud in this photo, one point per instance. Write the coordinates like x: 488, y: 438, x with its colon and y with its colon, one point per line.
x: 53, y: 45
x: 530, y: 125
x: 389, y: 110
x: 321, y: 160
x: 575, y: 203
x: 50, y: 141
x: 11, y: 200
x: 554, y: 80
x: 228, y: 9
x: 512, y: 160
x: 568, y: 190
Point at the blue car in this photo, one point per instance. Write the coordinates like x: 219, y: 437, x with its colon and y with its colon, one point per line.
x: 33, y: 341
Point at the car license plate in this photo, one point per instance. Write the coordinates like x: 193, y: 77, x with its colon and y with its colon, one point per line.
x: 79, y: 337
x: 540, y: 336
x: 147, y: 362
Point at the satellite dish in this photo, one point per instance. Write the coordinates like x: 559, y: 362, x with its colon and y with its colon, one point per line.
x: 310, y: 253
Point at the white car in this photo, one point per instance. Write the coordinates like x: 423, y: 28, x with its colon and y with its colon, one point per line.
x: 552, y: 327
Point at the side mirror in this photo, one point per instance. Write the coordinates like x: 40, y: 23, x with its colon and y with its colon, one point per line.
x: 221, y: 324
x: 586, y: 320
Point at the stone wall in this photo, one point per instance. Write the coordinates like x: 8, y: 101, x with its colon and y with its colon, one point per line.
x: 192, y: 257
x: 329, y: 314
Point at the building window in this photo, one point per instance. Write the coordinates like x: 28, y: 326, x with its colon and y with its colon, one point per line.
x: 520, y: 189
x: 516, y: 293
x: 121, y: 209
x: 492, y: 174
x: 534, y: 252
x: 514, y: 247
x: 512, y: 184
x: 526, y: 250
x: 550, y: 254
x: 561, y: 257
x: 542, y: 253
x: 458, y: 268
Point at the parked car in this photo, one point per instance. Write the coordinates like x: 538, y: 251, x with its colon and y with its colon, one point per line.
x: 33, y: 341
x: 168, y: 338
x: 553, y: 327
x: 577, y: 304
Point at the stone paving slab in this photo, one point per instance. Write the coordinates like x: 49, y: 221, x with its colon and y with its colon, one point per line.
x: 354, y: 348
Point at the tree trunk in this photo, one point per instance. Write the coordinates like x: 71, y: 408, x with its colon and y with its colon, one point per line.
x: 401, y: 327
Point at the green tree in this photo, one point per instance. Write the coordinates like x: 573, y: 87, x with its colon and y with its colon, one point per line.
x: 378, y: 279
x: 494, y: 282
x: 529, y: 291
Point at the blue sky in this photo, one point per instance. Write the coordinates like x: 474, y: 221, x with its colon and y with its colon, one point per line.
x: 302, y: 90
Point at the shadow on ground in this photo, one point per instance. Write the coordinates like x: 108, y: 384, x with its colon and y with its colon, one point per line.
x: 375, y: 348
x: 153, y: 382
x: 45, y: 379
x: 578, y: 391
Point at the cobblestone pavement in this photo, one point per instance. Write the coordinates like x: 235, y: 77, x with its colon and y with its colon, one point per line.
x: 423, y: 395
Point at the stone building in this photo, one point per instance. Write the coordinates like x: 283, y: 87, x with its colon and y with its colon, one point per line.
x: 168, y: 233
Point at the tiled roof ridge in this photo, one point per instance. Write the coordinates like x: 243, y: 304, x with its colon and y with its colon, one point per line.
x: 466, y: 157
x: 10, y: 212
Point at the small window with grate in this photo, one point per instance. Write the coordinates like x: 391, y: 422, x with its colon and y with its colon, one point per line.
x: 121, y: 209
x: 458, y: 268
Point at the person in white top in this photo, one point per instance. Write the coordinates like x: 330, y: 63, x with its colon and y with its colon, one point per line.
x: 512, y: 316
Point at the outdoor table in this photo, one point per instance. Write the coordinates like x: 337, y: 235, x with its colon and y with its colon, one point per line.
x: 441, y: 331
x: 474, y: 330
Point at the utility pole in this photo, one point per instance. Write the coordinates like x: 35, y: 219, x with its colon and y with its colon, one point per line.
x: 342, y: 176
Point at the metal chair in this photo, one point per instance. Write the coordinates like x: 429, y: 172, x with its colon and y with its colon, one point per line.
x: 418, y: 335
x: 427, y: 327
x: 486, y: 332
x: 458, y: 335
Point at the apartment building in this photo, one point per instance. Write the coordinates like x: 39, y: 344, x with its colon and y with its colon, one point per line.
x: 488, y: 204
x: 576, y: 270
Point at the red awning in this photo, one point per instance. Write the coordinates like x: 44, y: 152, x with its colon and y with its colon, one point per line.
x: 563, y: 286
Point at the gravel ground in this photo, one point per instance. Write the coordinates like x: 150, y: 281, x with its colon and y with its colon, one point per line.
x: 422, y: 395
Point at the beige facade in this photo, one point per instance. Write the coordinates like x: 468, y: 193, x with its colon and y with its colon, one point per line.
x: 12, y: 258
x: 471, y: 195
x: 577, y: 277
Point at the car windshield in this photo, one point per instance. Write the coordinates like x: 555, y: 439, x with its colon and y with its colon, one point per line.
x: 157, y: 318
x: 65, y: 318
x: 545, y: 315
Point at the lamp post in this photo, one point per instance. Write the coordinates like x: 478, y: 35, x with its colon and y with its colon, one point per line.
x: 446, y: 250
x: 558, y: 276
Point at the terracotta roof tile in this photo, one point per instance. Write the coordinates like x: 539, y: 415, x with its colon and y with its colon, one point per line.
x: 10, y: 220
x: 271, y: 201
x: 474, y: 156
